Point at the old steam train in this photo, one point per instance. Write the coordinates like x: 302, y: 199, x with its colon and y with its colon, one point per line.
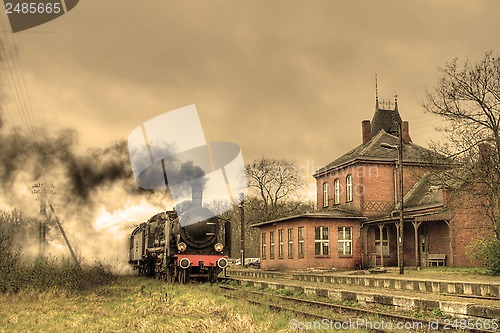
x: 189, y: 242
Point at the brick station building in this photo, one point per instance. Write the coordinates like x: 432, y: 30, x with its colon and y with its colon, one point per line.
x: 358, y: 210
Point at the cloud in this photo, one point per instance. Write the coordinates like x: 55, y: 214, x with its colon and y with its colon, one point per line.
x: 265, y: 75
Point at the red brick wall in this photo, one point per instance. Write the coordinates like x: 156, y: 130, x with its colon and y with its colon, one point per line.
x: 378, y: 189
x: 439, y: 238
x: 469, y: 222
x: 310, y: 260
x: 373, y: 187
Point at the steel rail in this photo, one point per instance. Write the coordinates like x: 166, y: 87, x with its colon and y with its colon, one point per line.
x: 392, y: 316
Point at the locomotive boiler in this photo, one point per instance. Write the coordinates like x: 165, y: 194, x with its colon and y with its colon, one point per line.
x: 189, y: 242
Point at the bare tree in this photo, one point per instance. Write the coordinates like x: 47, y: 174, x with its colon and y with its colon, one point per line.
x: 468, y: 98
x: 275, y: 183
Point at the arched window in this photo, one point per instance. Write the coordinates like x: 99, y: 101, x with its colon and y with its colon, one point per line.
x: 336, y: 193
x: 325, y: 194
x: 348, y: 187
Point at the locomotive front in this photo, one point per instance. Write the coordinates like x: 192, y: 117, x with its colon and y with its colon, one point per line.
x: 189, y: 242
x: 199, y: 245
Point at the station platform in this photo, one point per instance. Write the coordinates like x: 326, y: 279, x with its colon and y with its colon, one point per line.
x: 470, y: 288
x: 401, y: 293
x: 410, y: 284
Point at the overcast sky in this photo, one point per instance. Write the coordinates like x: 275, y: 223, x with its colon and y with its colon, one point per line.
x: 281, y: 78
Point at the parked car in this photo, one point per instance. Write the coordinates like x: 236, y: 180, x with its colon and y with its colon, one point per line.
x: 252, y: 262
x: 232, y: 261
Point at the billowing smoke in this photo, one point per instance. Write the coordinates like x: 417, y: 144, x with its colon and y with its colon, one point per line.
x: 99, y: 167
x: 96, y: 198
x: 53, y: 157
x: 193, y: 175
x: 93, y: 193
x: 189, y: 179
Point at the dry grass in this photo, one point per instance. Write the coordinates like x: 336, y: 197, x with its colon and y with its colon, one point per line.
x: 135, y: 305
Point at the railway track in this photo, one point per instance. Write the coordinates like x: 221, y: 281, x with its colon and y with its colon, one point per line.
x: 489, y: 298
x: 336, y: 316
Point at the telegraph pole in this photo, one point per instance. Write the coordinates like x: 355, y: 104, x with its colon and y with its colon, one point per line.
x: 242, y: 229
x: 401, y: 197
x: 400, y: 225
x: 42, y: 190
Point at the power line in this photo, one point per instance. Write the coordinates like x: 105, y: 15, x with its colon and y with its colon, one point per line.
x: 11, y: 65
x: 18, y: 86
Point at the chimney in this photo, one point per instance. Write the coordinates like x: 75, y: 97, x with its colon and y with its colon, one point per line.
x: 197, y: 196
x: 366, y: 131
x: 406, y: 132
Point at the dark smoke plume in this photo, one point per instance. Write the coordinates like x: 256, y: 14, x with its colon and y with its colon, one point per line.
x: 84, y: 173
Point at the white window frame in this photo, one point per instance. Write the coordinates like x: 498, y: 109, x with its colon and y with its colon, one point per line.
x: 301, y: 238
x: 290, y: 242
x: 271, y: 245
x: 348, y: 183
x: 264, y: 245
x: 280, y: 243
x: 336, y: 188
x: 385, y: 240
x: 345, y: 241
x: 325, y: 194
x: 323, y: 241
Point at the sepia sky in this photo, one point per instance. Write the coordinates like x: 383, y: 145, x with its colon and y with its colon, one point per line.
x: 280, y: 78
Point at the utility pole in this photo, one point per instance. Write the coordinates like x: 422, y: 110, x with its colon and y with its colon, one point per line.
x: 242, y: 229
x: 401, y: 196
x: 42, y: 190
x: 400, y: 226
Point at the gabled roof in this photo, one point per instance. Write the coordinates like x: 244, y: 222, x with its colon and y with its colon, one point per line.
x: 424, y: 194
x: 372, y: 151
x: 331, y: 214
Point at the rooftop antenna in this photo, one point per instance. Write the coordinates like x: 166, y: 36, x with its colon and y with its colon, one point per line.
x: 376, y: 91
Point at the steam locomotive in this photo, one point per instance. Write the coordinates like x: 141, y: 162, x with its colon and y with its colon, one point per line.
x: 189, y: 242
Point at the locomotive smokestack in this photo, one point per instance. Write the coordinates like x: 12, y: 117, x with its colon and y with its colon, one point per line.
x: 197, y: 196
x: 195, y: 177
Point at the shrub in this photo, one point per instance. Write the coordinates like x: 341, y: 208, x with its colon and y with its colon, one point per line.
x: 488, y: 251
x: 9, y: 261
x: 42, y: 273
x: 66, y: 275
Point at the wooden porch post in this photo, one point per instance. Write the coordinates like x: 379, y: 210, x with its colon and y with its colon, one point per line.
x: 380, y: 227
x: 416, y: 225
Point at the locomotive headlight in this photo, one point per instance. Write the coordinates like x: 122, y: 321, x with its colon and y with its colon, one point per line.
x: 218, y: 247
x: 181, y: 247
x: 222, y: 262
x: 184, y: 263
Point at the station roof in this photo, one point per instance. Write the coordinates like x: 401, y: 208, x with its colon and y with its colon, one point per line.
x: 330, y: 214
x: 423, y: 194
x: 372, y: 151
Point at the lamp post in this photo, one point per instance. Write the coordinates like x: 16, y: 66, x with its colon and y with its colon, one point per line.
x: 399, y: 147
x: 242, y: 230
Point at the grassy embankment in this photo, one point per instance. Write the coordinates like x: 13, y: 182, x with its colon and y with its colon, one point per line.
x: 133, y: 304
